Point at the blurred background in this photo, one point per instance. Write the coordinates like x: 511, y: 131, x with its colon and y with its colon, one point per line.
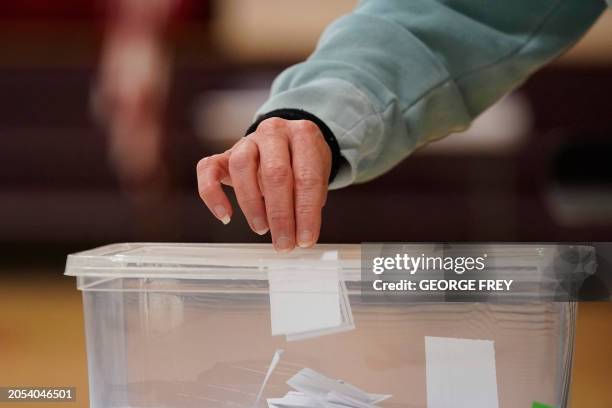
x: 106, y: 107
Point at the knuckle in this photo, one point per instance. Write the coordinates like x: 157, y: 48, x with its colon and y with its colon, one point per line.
x: 202, y: 164
x: 240, y: 161
x: 306, y: 126
x: 279, y: 178
x: 305, y: 211
x: 271, y: 124
x: 252, y: 203
x: 308, y: 179
x: 206, y: 190
x: 279, y: 217
x: 276, y: 173
x: 209, y: 163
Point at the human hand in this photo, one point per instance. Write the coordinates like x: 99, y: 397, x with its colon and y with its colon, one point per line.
x: 280, y: 174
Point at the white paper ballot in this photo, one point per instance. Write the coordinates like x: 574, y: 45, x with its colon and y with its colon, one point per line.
x: 302, y: 301
x: 460, y: 373
x: 307, y: 303
x: 312, y: 390
x: 294, y: 400
x: 312, y: 383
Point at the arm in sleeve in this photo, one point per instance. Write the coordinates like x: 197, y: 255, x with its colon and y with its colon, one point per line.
x: 396, y: 74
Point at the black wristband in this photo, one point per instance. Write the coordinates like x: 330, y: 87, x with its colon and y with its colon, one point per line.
x: 298, y: 114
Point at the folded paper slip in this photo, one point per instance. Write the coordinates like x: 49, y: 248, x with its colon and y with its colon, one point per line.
x: 306, y: 303
x: 312, y: 389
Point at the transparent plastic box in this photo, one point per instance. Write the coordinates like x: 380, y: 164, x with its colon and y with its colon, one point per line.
x: 189, y: 325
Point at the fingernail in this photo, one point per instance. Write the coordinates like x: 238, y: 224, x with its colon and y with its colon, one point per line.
x: 260, y: 226
x: 305, y: 239
x: 222, y: 214
x: 283, y: 244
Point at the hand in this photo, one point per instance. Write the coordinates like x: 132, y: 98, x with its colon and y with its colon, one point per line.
x: 279, y: 174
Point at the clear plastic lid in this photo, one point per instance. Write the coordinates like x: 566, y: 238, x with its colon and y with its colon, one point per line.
x: 207, y: 261
x: 252, y: 261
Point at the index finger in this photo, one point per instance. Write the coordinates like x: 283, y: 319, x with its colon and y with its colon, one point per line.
x: 211, y: 172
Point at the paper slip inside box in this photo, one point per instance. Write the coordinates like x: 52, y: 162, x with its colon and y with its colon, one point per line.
x: 307, y: 303
x: 312, y: 389
x: 460, y: 373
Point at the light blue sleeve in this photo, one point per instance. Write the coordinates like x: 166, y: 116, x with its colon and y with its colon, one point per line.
x: 396, y: 74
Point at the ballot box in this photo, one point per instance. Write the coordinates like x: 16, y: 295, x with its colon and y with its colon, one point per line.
x: 227, y: 325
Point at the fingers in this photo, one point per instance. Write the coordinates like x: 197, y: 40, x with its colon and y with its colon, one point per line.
x: 211, y: 171
x: 243, y: 169
x: 277, y: 183
x: 279, y: 174
x: 311, y: 162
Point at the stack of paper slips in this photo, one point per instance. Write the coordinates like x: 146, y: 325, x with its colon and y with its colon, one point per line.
x: 312, y: 390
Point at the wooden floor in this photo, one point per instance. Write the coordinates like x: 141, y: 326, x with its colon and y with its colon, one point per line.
x: 42, y: 341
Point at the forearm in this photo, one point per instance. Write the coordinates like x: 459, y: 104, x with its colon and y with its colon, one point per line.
x: 394, y: 74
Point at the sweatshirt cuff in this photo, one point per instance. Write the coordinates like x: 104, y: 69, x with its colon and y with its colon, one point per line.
x: 345, y: 110
x: 299, y: 114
